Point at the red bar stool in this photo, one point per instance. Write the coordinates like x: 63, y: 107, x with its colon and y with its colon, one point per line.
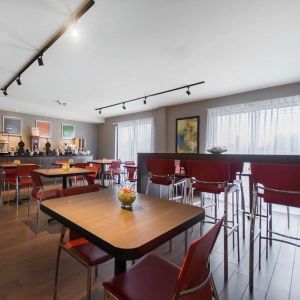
x: 212, y: 177
x: 81, y: 249
x: 39, y: 194
x: 155, y: 278
x: 274, y: 184
x: 162, y: 173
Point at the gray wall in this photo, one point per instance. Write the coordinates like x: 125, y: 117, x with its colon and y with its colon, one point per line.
x: 86, y: 130
x: 165, y: 118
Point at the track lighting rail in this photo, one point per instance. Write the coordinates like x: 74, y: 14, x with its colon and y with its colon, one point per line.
x: 38, y: 56
x: 151, y: 95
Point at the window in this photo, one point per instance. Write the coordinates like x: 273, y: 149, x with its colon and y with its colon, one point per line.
x: 133, y: 137
x: 264, y: 127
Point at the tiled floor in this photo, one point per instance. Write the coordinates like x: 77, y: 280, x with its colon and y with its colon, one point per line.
x: 27, y: 263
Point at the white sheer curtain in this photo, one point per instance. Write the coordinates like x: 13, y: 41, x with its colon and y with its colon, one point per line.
x: 133, y: 137
x: 263, y: 127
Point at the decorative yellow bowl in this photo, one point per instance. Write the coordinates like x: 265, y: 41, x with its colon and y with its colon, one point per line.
x: 66, y: 167
x: 17, y: 162
x: 126, y: 197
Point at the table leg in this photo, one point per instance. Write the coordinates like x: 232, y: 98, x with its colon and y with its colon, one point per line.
x: 65, y: 182
x: 120, y: 266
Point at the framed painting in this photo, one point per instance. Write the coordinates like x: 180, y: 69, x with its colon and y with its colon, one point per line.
x: 44, y: 128
x: 67, y: 131
x: 187, y: 135
x: 12, y: 125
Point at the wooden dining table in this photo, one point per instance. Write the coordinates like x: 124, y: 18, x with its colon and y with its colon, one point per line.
x: 64, y: 174
x: 124, y: 234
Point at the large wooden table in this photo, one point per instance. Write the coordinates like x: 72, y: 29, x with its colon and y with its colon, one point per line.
x: 124, y: 234
x: 58, y: 172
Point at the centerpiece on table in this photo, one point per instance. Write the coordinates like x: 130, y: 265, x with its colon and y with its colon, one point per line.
x: 126, y: 196
x: 66, y: 166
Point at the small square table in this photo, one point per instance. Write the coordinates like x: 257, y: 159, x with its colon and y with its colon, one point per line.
x: 58, y: 172
x: 124, y: 234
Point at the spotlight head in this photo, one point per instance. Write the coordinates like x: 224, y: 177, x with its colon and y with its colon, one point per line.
x: 19, y: 82
x: 188, y: 91
x: 4, y: 92
x: 124, y: 107
x: 99, y: 111
x: 40, y: 60
x: 145, y: 100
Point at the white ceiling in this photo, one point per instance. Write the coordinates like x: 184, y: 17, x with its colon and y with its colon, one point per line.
x: 127, y: 49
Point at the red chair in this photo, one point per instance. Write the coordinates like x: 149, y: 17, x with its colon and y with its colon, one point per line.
x: 92, y: 177
x: 130, y: 171
x: 113, y: 171
x: 77, y: 178
x: 155, y: 278
x: 22, y: 180
x: 8, y: 175
x: 161, y: 172
x: 81, y: 249
x: 212, y: 177
x: 39, y: 194
x: 276, y: 184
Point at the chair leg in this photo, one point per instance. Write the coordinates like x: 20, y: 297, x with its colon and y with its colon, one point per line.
x: 37, y: 217
x: 233, y: 219
x: 28, y: 210
x: 147, y: 187
x: 56, y: 272
x: 267, y: 232
x: 216, y: 208
x: 238, y: 223
x: 288, y: 215
x: 89, y: 283
x: 185, y: 242
x: 226, y: 234
x: 270, y: 225
x: 213, y: 285
x: 259, y: 237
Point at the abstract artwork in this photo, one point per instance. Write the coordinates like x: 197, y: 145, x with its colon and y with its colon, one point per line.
x: 44, y: 128
x: 12, y: 125
x: 187, y: 135
x: 67, y: 131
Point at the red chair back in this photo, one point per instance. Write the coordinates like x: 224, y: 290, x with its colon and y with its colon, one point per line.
x: 115, y: 164
x: 10, y: 173
x: 284, y: 177
x: 235, y: 167
x: 160, y: 167
x: 209, y: 171
x: 129, y: 163
x: 77, y: 191
x: 195, y: 269
x: 36, y: 178
x: 24, y: 171
x: 80, y: 165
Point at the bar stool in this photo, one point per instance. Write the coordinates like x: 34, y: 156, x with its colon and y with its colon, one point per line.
x: 274, y: 183
x: 161, y: 172
x: 212, y: 177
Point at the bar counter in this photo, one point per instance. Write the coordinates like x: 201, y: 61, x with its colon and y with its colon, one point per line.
x: 47, y: 160
x: 143, y: 172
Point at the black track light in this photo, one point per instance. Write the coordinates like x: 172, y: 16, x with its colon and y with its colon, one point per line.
x: 124, y: 107
x: 5, y: 93
x: 188, y: 91
x: 145, y: 100
x: 40, y: 60
x: 99, y: 111
x: 19, y: 82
